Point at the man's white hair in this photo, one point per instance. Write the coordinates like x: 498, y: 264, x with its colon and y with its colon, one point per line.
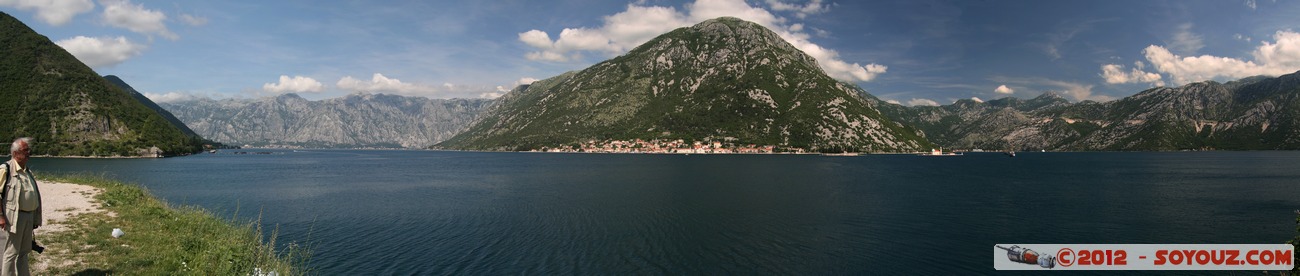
x: 16, y: 145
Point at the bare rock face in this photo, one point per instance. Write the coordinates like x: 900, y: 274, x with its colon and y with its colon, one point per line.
x: 722, y: 79
x: 353, y: 121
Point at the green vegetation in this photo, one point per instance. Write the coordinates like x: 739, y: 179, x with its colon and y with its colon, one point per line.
x: 47, y: 94
x: 161, y: 239
x: 723, y: 79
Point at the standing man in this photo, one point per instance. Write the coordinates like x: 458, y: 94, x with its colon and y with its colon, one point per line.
x: 22, y: 209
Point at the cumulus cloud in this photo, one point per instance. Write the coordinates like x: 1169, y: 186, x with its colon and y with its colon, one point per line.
x: 1114, y: 73
x: 380, y: 83
x: 894, y: 102
x: 54, y: 12
x: 294, y: 84
x: 1271, y: 58
x: 193, y: 20
x: 99, y: 52
x: 525, y: 80
x: 977, y: 99
x: 801, y: 11
x: 491, y: 95
x: 922, y: 102
x: 134, y: 17
x: 1278, y: 57
x: 637, y: 24
x: 1003, y: 89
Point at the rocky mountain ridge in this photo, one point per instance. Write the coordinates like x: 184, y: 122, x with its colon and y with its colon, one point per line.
x: 1256, y: 113
x: 352, y: 121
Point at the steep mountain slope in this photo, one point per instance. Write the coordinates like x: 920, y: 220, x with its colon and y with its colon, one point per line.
x: 723, y: 79
x: 47, y: 94
x: 353, y: 121
x: 149, y: 103
x: 1249, y: 114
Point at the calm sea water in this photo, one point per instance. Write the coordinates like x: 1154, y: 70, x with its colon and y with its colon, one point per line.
x: 423, y: 212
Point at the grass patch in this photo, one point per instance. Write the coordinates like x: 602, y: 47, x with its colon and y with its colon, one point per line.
x: 161, y: 239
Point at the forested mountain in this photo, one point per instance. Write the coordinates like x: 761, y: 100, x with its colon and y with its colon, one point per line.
x: 723, y: 79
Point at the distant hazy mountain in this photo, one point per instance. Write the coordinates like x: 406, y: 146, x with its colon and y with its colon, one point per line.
x: 353, y: 121
x: 1249, y: 114
x: 722, y: 79
x: 48, y: 94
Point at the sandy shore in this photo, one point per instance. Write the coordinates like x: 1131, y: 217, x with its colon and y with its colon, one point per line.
x: 62, y: 201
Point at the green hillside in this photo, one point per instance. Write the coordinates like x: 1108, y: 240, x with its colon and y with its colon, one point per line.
x: 47, y: 94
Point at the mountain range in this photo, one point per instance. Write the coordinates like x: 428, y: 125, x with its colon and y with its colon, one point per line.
x: 1257, y: 113
x: 352, y: 121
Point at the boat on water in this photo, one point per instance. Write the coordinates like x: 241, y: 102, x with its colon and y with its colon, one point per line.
x: 1011, y: 154
x: 842, y: 154
x: 939, y: 152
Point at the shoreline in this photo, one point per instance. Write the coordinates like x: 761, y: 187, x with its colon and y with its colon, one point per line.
x: 160, y: 239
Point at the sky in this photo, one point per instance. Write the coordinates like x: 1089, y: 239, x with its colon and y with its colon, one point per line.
x: 916, y: 52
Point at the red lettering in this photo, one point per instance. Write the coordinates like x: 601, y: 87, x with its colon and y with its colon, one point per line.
x: 1266, y: 257
x: 1177, y: 257
x: 1065, y: 257
x: 1284, y: 257
x: 1160, y: 256
x: 1121, y: 257
x: 1232, y: 257
x: 1250, y: 259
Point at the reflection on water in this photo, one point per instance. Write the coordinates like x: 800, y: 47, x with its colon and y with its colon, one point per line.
x: 421, y: 212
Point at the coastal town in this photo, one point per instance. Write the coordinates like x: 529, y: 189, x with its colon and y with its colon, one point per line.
x: 677, y: 146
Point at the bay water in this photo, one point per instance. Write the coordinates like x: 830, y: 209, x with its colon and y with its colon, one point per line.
x: 368, y: 212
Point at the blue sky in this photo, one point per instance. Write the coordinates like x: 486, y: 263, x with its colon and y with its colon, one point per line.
x: 911, y: 52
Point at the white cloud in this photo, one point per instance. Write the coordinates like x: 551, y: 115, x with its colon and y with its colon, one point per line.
x: 1250, y: 4
x: 169, y: 97
x: 54, y: 12
x: 894, y: 102
x: 1185, y: 41
x: 1279, y: 57
x: 1282, y: 55
x: 977, y: 99
x: 537, y: 39
x: 811, y: 8
x: 380, y: 83
x: 637, y: 24
x: 193, y: 20
x: 101, y: 52
x: 491, y: 95
x: 922, y: 102
x: 1114, y: 73
x: 1003, y: 89
x: 294, y: 84
x: 525, y: 80
x: 134, y: 17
